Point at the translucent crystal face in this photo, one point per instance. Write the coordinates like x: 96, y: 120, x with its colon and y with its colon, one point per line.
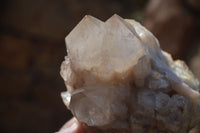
x: 98, y: 46
x: 119, y: 79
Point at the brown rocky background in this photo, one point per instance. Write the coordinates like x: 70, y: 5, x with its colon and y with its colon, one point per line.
x: 32, y: 48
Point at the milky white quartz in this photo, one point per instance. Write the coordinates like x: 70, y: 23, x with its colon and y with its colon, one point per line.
x: 119, y: 80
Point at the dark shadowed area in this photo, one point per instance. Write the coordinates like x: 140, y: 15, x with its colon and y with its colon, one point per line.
x: 32, y: 48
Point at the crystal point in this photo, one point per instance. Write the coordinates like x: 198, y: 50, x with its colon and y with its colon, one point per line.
x: 120, y: 81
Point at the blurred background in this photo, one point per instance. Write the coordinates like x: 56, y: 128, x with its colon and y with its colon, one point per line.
x: 32, y: 48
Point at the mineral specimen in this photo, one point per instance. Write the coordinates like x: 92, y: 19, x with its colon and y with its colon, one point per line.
x: 119, y: 80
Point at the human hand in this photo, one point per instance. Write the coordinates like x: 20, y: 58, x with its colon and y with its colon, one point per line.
x: 72, y: 126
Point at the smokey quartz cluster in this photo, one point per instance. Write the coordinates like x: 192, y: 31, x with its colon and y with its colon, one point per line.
x: 119, y: 80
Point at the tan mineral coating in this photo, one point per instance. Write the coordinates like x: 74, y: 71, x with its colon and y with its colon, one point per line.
x: 120, y: 81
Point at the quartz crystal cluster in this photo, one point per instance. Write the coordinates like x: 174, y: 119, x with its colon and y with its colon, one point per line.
x: 119, y: 80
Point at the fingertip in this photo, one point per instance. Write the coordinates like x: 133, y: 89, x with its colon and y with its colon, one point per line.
x: 72, y: 126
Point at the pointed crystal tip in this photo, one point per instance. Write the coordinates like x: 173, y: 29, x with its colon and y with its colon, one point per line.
x: 119, y: 80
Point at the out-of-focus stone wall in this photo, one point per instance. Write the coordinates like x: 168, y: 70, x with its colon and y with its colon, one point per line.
x: 176, y: 24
